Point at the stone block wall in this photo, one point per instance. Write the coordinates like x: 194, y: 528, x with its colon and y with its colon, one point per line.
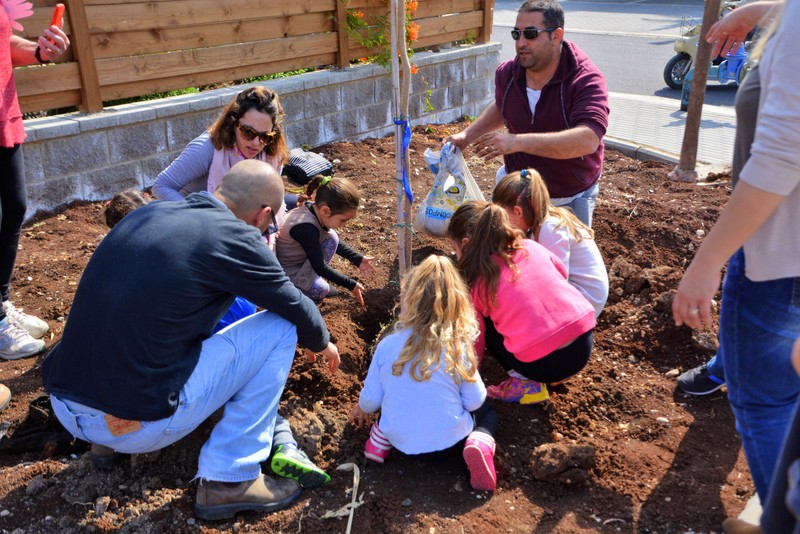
x: 93, y: 156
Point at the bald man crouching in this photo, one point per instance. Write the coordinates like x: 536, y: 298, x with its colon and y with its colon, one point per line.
x: 137, y: 368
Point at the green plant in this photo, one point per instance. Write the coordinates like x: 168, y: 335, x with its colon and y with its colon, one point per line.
x: 373, y: 33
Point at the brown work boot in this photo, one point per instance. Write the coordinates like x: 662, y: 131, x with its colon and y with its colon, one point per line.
x: 221, y: 500
x: 733, y: 525
x: 105, y: 458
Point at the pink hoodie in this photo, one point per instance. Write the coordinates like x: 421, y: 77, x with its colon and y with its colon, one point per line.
x: 537, y: 310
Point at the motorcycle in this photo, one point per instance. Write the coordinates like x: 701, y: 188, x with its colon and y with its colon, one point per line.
x: 729, y: 68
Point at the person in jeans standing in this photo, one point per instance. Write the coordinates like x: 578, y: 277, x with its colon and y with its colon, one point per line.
x: 757, y: 230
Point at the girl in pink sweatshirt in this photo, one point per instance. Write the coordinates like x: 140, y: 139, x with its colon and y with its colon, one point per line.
x: 533, y: 321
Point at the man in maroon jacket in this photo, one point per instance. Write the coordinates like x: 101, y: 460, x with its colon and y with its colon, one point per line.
x: 553, y: 103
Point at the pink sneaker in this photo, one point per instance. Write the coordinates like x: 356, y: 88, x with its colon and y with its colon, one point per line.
x: 377, y: 447
x: 519, y: 391
x: 479, y: 455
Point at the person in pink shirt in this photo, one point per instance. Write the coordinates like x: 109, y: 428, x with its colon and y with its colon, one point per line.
x: 535, y: 323
x: 20, y: 333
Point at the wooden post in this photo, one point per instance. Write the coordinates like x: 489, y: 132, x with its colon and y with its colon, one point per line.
x: 343, y: 53
x: 401, y: 84
x: 685, y: 171
x: 91, y: 100
x: 488, y: 21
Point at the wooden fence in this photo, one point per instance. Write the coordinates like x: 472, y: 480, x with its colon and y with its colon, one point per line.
x: 123, y: 48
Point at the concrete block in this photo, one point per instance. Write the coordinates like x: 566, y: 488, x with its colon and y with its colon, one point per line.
x: 75, y: 153
x: 102, y: 184
x: 375, y: 116
x: 34, y: 167
x: 182, y: 129
x: 150, y: 168
x: 358, y: 93
x: 307, y: 133
x: 49, y: 195
x: 127, y: 143
x: 319, y: 102
x: 333, y: 127
x: 478, y: 90
x: 51, y: 127
x: 292, y: 104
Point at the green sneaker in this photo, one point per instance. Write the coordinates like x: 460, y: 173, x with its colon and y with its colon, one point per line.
x: 289, y: 462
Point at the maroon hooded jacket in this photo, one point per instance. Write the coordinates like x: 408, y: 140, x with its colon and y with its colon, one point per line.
x: 576, y: 95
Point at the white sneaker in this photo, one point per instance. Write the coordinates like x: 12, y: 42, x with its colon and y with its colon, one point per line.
x: 16, y: 342
x: 35, y: 326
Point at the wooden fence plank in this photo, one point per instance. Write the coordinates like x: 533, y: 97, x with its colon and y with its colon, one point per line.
x: 198, y: 79
x: 343, y: 53
x: 62, y: 99
x: 487, y: 6
x: 136, y: 68
x: 170, y: 39
x: 82, y: 48
x: 158, y: 15
x: 51, y: 78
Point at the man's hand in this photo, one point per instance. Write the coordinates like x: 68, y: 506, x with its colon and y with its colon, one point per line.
x: 330, y: 352
x: 358, y: 416
x: 494, y: 144
x: 458, y: 140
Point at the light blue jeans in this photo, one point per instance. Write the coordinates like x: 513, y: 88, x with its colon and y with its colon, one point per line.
x: 243, y: 368
x: 582, y: 204
x: 759, y: 322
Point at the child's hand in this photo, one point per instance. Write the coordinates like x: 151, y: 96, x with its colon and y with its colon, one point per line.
x: 358, y: 416
x: 356, y: 291
x: 330, y: 352
x: 366, y: 266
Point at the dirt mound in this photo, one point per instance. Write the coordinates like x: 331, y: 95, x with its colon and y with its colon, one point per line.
x: 617, y: 450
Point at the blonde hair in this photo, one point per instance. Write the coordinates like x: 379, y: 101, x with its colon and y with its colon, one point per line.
x: 436, y: 306
x: 527, y: 189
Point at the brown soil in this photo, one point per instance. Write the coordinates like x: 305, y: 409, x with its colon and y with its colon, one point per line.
x: 617, y: 450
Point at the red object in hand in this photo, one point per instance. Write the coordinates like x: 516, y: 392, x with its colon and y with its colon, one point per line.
x: 58, y: 16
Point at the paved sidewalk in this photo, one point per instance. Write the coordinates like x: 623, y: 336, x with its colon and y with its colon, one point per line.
x: 653, y: 126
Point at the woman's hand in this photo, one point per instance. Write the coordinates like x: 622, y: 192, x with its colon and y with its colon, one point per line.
x: 692, y: 303
x: 358, y: 416
x: 53, y: 43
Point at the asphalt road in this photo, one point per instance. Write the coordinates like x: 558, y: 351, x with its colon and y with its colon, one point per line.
x: 631, y: 42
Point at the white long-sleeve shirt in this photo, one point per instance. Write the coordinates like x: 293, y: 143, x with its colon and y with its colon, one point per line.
x: 418, y: 417
x: 585, y: 267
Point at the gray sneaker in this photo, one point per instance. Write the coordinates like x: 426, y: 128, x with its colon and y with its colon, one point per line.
x: 699, y: 381
x: 222, y: 500
x: 16, y: 342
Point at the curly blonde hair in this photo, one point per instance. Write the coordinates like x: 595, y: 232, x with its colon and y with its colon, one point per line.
x: 436, y: 306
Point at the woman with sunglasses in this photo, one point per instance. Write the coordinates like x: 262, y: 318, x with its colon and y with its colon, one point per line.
x: 250, y: 127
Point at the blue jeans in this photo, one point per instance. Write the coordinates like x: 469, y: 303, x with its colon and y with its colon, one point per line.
x: 759, y: 322
x: 582, y: 204
x: 716, y: 369
x: 254, y: 356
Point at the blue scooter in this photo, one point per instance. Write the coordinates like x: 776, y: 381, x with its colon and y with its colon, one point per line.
x: 733, y: 68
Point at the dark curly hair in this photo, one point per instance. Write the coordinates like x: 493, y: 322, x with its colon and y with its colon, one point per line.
x: 260, y: 98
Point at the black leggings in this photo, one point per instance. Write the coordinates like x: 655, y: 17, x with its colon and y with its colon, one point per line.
x: 558, y: 365
x: 12, y: 213
x: 486, y: 420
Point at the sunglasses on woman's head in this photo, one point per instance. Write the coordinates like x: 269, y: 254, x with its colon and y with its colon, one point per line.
x: 529, y: 33
x: 249, y: 133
